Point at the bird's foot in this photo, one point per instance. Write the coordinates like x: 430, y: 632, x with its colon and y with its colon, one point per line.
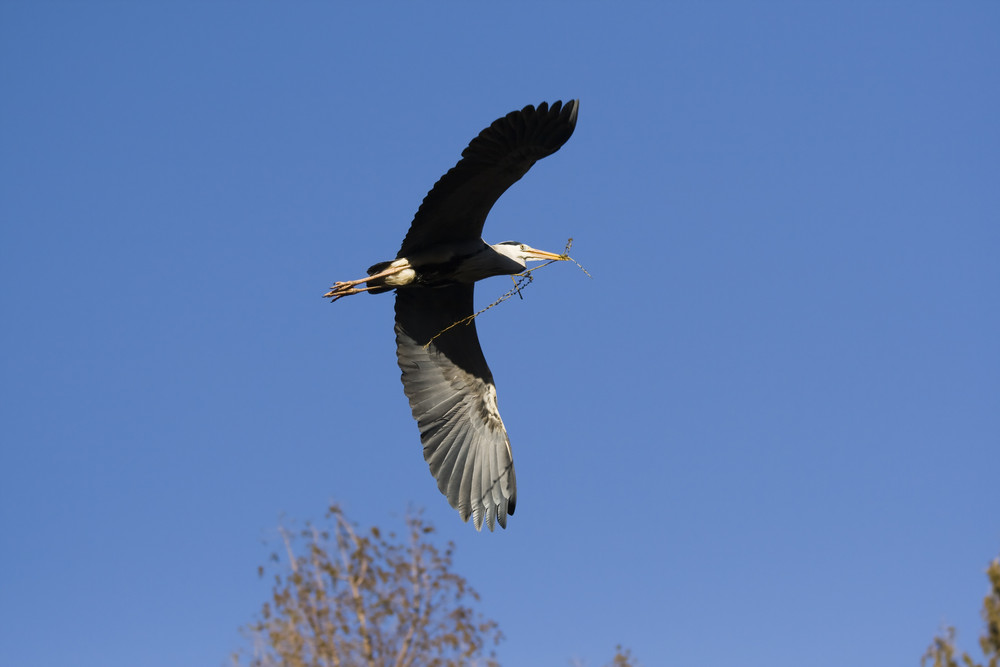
x: 342, y: 289
x: 344, y: 284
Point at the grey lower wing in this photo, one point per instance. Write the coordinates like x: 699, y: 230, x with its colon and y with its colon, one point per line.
x: 456, y: 207
x: 453, y: 399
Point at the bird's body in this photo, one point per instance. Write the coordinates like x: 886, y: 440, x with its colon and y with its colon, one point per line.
x: 463, y: 262
x: 444, y: 373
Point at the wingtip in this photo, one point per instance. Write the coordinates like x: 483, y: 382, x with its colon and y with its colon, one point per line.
x: 574, y: 108
x: 489, y: 515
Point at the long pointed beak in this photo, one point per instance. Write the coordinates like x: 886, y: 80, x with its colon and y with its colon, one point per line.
x: 542, y: 255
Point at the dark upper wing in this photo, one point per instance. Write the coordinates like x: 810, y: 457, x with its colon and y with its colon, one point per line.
x: 453, y: 399
x: 456, y: 207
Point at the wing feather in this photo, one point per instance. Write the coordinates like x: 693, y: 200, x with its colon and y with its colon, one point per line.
x: 452, y: 397
x: 464, y: 488
x: 486, y: 501
x: 456, y: 207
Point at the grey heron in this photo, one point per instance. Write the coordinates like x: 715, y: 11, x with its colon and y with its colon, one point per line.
x: 445, y: 376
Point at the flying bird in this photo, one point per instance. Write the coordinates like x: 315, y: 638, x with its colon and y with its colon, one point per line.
x: 445, y: 377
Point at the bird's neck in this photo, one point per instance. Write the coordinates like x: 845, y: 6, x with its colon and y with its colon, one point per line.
x: 464, y: 264
x: 486, y: 263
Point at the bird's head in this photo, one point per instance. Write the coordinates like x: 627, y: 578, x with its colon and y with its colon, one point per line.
x: 522, y: 253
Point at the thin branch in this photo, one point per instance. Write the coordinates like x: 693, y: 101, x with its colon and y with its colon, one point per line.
x: 523, y: 279
x: 288, y: 549
x: 352, y: 582
x: 416, y: 604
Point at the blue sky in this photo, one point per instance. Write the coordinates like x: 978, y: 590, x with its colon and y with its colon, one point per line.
x: 766, y: 432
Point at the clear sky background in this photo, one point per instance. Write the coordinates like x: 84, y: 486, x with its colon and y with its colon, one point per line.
x: 766, y: 432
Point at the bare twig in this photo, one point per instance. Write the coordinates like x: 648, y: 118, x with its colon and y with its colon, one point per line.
x: 353, y: 582
x: 521, y: 280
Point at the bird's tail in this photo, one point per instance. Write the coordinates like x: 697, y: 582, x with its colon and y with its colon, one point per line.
x: 378, y: 285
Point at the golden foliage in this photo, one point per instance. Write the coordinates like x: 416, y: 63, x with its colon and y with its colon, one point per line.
x: 347, y: 597
x: 623, y: 658
x: 941, y: 652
